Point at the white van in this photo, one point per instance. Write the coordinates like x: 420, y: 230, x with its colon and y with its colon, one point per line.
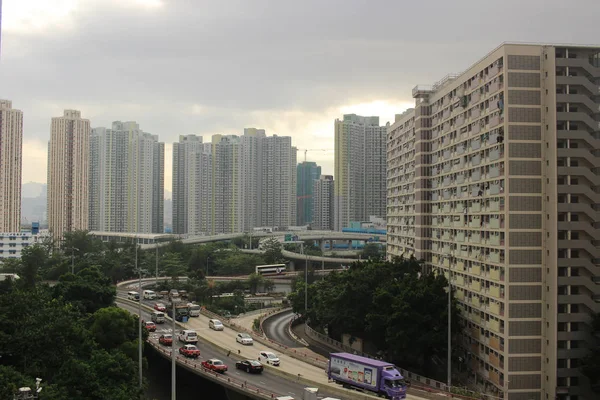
x: 158, y: 317
x: 133, y: 296
x: 149, y: 294
x: 193, y: 309
x: 215, y: 324
x: 188, y: 336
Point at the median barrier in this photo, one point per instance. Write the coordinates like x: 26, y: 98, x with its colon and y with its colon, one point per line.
x: 292, y: 334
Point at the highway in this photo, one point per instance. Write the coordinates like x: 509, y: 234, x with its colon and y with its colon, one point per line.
x: 267, y: 380
x: 276, y: 328
x: 294, y: 366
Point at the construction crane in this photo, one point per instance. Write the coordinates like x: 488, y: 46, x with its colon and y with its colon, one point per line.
x: 307, y: 150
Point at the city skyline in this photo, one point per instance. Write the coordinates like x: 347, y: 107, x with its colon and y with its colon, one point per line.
x: 282, y: 96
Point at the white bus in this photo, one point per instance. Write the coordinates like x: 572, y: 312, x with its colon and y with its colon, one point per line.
x: 274, y: 269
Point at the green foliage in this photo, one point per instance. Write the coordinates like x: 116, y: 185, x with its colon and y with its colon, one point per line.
x: 273, y: 251
x: 372, y: 251
x: 591, y: 363
x: 392, y: 305
x: 89, y: 290
x: 47, y: 333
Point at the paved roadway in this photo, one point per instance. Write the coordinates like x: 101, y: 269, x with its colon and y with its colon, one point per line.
x: 276, y: 328
x: 267, y: 380
x: 226, y: 339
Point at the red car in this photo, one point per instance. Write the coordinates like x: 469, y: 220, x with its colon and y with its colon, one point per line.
x: 189, y: 350
x: 215, y: 365
x: 151, y: 326
x: 166, y: 340
x: 160, y: 307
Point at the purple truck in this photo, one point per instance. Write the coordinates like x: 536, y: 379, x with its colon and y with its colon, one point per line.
x: 365, y: 373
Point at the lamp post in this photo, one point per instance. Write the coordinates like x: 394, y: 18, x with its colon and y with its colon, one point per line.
x: 139, y: 313
x: 157, y: 262
x: 449, y: 329
x: 173, y: 362
x: 207, y: 258
x: 73, y: 259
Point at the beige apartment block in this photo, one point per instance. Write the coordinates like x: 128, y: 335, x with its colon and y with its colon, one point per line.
x: 11, y: 144
x: 68, y: 168
x: 493, y: 180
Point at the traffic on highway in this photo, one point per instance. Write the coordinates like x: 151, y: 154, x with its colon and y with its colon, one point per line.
x: 265, y: 379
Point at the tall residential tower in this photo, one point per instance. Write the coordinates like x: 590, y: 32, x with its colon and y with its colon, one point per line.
x: 68, y: 167
x: 126, y: 180
x: 307, y: 173
x: 360, y: 169
x: 493, y: 179
x: 11, y: 144
x: 234, y: 183
x: 323, y: 203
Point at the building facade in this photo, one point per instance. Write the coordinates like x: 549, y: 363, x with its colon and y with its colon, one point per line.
x: 307, y: 173
x: 323, y: 203
x: 360, y: 169
x: 68, y: 168
x: 234, y: 183
x: 493, y: 180
x: 11, y: 146
x: 12, y: 244
x: 126, y: 180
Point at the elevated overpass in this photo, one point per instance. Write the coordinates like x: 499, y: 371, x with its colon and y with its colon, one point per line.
x: 320, y: 236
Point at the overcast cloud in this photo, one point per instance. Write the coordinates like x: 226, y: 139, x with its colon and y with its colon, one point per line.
x: 205, y: 67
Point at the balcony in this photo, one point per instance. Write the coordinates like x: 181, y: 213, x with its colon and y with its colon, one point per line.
x: 475, y: 286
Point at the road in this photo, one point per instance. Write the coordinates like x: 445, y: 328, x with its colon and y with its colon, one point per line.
x: 293, y: 366
x: 276, y: 328
x: 266, y: 380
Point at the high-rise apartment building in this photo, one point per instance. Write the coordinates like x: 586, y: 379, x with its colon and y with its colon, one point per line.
x: 251, y: 159
x: 323, y: 201
x: 360, y: 169
x: 278, y: 181
x: 307, y: 173
x: 126, y: 180
x: 493, y: 179
x: 11, y: 145
x: 192, y: 185
x: 226, y: 188
x: 68, y: 168
x: 234, y: 183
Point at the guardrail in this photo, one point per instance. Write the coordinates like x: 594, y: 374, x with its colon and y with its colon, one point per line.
x: 294, y: 353
x: 347, y: 394
x: 216, y: 376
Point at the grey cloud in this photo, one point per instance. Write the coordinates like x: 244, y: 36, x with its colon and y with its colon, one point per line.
x: 237, y: 57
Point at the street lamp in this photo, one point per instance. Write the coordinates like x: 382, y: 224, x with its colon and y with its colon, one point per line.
x: 207, y: 258
x: 139, y: 311
x: 73, y: 259
x: 449, y: 328
x: 173, y: 362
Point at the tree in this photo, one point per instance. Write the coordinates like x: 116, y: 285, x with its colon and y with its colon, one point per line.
x: 255, y: 280
x: 11, y: 380
x: 33, y: 259
x: 591, y: 363
x: 371, y: 251
x: 389, y: 304
x: 89, y: 290
x: 112, y: 327
x: 173, y: 265
x: 273, y: 251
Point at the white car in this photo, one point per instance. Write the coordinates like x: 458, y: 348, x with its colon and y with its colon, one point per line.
x: 244, y: 339
x: 269, y: 358
x: 215, y: 324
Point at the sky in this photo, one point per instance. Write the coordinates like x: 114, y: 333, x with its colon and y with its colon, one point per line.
x: 291, y: 67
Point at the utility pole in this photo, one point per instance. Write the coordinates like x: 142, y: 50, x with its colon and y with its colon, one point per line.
x: 139, y: 313
x: 173, y: 362
x: 157, y: 262
x: 73, y: 259
x: 449, y: 328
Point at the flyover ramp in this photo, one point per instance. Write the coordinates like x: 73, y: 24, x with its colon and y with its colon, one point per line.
x: 302, y: 235
x: 303, y: 257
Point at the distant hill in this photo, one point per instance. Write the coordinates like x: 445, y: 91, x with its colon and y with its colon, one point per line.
x: 33, y: 202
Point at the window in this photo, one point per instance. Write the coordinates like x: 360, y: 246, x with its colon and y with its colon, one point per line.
x: 574, y: 308
x: 574, y: 163
x: 574, y: 199
x: 574, y: 217
x: 574, y: 181
x: 574, y: 254
x: 575, y: 235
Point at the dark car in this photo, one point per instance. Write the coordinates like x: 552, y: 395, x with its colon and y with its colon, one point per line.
x: 249, y: 366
